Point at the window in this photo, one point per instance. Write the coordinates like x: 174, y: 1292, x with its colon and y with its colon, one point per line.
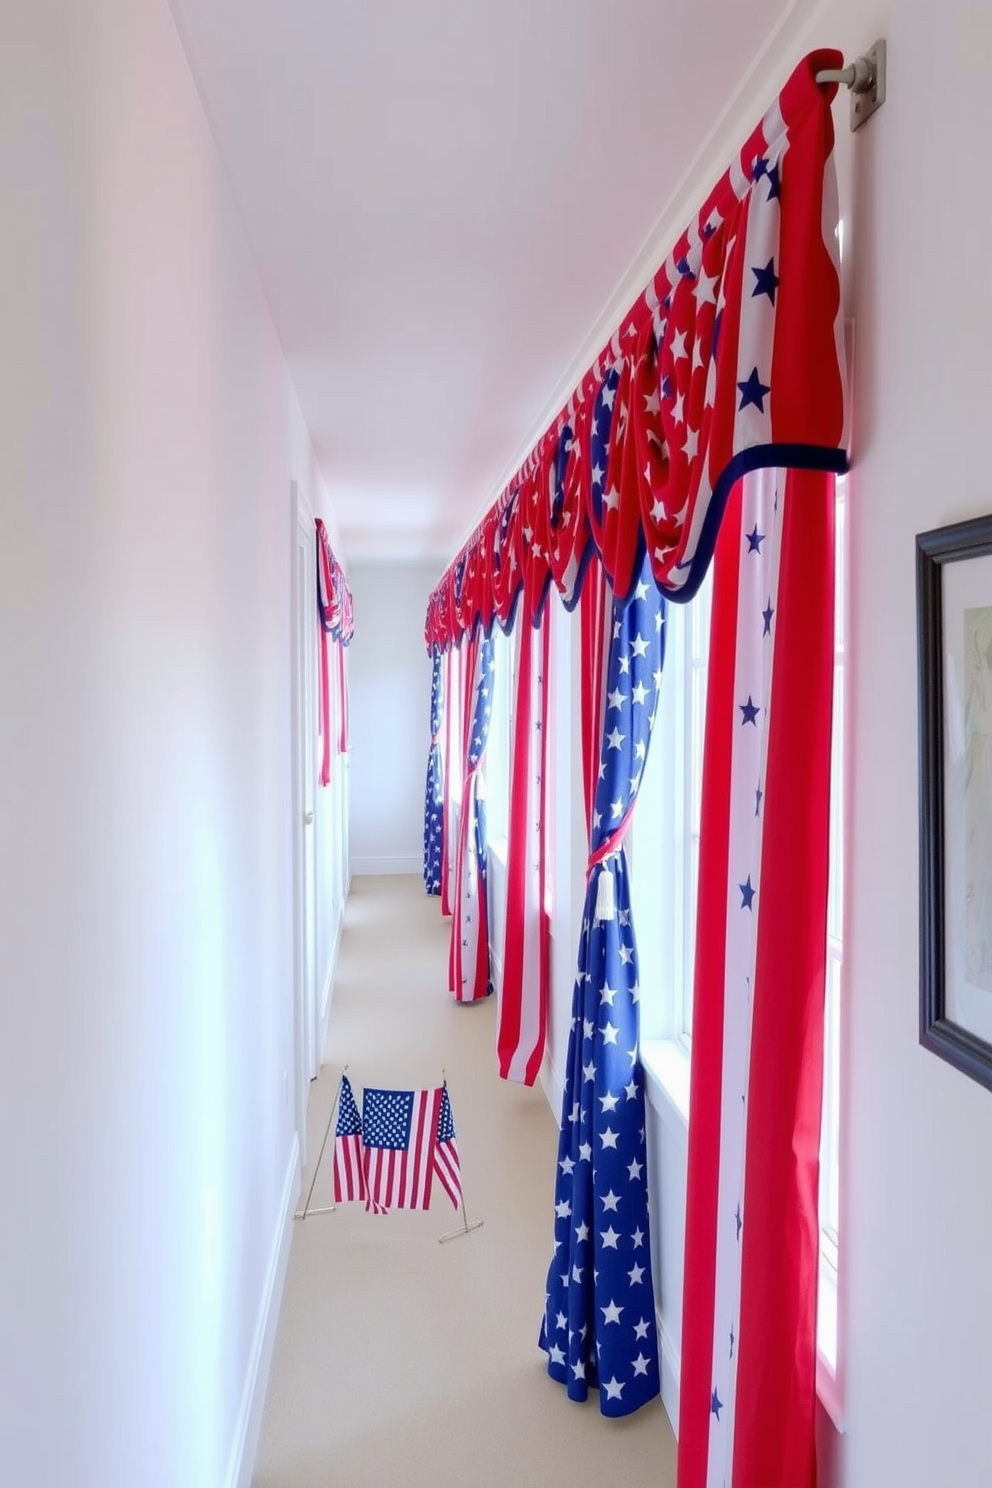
x: 497, y: 759
x: 454, y: 745
x: 665, y: 834
x: 697, y: 650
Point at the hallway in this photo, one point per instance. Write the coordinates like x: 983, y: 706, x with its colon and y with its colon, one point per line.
x: 400, y: 1362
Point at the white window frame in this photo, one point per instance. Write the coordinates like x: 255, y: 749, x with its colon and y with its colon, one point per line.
x: 498, y: 758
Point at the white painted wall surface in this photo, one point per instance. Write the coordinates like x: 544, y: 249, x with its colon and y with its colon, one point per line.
x: 916, y: 1306
x: 148, y: 436
x: 331, y: 811
x: 390, y: 679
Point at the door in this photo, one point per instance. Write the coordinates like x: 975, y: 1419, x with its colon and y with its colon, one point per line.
x: 304, y: 783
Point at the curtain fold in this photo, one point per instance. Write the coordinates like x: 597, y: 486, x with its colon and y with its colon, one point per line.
x: 748, y: 1382
x: 326, y: 744
x: 468, y: 962
x: 434, y: 790
x: 335, y: 623
x: 523, y: 1001
x: 599, y: 1327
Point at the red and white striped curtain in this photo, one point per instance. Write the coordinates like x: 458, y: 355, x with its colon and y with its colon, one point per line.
x: 336, y: 625
x: 523, y: 1002
x: 752, y: 1228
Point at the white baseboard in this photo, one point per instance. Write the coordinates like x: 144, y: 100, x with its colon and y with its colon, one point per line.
x: 553, y: 1085
x: 671, y: 1373
x: 244, y: 1448
x: 413, y: 864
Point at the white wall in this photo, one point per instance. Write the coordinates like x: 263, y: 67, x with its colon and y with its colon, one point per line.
x: 917, y: 1207
x: 332, y: 865
x: 148, y: 436
x: 390, y: 681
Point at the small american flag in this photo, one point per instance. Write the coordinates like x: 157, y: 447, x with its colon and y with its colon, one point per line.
x: 399, y: 1130
x: 446, y: 1160
x: 349, y: 1157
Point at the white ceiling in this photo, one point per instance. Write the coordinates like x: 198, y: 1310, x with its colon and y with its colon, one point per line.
x: 442, y: 196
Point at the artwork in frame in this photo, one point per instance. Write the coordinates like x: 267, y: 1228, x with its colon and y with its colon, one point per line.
x: 954, y: 640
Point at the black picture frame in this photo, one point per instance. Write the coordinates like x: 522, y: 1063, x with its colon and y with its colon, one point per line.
x: 960, y: 543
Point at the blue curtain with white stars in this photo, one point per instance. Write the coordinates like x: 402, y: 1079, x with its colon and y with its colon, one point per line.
x: 599, y: 1328
x: 434, y: 795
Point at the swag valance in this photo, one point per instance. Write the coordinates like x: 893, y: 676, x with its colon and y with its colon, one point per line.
x: 337, y: 613
x: 336, y: 623
x: 731, y: 360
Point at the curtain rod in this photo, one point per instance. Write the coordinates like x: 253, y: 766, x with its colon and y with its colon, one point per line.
x: 865, y: 77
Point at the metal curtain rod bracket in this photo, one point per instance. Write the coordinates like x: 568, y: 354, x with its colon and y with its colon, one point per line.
x: 865, y: 77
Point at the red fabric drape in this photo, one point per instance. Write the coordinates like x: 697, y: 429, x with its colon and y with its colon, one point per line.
x: 523, y: 1003
x: 752, y: 1228
x: 775, y: 1434
x: 325, y: 710
x: 336, y: 622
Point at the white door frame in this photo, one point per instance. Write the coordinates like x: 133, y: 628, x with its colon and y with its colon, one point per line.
x: 304, y: 673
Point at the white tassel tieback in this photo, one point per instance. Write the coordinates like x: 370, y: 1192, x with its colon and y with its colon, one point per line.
x: 606, y: 897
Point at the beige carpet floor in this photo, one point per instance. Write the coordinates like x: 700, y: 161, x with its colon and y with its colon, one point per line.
x: 401, y: 1362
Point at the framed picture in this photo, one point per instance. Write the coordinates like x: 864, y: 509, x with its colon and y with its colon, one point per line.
x: 954, y: 637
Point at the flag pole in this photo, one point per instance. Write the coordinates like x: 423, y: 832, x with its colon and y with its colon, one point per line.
x: 331, y: 1209
x: 466, y: 1227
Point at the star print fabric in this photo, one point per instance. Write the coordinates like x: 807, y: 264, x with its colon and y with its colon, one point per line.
x: 599, y: 1326
x: 434, y: 793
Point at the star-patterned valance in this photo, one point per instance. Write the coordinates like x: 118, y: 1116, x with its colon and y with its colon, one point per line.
x: 731, y: 360
x: 337, y: 612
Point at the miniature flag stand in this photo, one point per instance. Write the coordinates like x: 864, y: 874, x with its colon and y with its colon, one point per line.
x: 330, y: 1208
x: 389, y: 1154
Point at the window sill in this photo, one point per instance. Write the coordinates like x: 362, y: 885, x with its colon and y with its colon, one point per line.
x: 667, y: 1073
x: 666, y: 1065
